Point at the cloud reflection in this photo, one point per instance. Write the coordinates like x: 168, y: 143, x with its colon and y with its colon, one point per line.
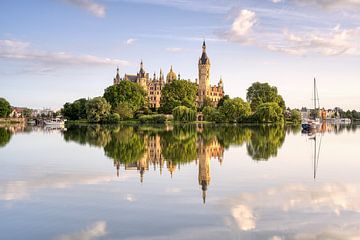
x: 98, y: 229
x: 20, y: 190
x: 302, y: 206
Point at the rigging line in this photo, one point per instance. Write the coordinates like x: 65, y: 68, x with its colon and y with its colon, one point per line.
x: 318, y: 155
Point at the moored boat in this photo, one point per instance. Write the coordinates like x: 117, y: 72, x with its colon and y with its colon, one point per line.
x: 314, y: 123
x: 55, y: 122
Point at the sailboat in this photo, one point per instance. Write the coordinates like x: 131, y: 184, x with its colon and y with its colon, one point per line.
x: 314, y: 122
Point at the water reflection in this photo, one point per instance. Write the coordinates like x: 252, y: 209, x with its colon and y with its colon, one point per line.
x: 142, y: 147
x: 247, y: 199
x: 5, y: 136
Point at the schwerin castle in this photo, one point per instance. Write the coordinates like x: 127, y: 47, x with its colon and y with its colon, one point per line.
x: 154, y: 86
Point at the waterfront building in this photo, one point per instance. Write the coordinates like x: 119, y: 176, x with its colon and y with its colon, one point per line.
x: 207, y: 93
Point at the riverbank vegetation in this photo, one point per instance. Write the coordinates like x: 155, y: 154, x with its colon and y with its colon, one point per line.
x: 128, y: 101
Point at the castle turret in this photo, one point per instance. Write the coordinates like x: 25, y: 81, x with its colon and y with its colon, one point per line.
x: 171, y: 76
x: 161, y: 77
x: 117, y: 78
x: 221, y: 85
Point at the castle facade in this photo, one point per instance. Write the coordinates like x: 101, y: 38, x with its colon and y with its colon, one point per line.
x: 207, y: 93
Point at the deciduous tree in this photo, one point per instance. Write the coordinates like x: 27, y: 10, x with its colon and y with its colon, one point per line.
x: 178, y: 93
x: 97, y: 109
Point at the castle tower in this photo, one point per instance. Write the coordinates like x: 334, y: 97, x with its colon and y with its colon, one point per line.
x: 204, y: 75
x: 142, y: 76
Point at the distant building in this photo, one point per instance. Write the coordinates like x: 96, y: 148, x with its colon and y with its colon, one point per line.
x: 16, y: 112
x: 154, y: 86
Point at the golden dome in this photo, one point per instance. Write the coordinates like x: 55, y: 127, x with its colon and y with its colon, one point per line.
x: 171, y: 76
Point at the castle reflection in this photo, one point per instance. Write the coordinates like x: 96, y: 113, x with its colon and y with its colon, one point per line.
x: 140, y: 148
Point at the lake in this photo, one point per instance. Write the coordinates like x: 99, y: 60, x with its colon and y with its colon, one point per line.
x: 179, y: 182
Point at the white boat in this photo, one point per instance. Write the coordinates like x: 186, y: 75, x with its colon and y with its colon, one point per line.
x: 55, y: 122
x: 315, y: 123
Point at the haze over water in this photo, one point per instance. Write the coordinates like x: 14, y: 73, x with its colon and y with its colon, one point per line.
x: 179, y: 182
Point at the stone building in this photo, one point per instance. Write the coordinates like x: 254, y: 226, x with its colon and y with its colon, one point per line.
x: 206, y: 92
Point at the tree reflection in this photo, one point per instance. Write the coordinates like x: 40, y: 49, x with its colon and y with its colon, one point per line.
x: 94, y: 135
x: 5, y: 136
x: 265, y: 141
x: 179, y: 145
x: 125, y: 146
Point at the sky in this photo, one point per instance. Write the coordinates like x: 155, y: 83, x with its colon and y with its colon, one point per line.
x: 56, y: 51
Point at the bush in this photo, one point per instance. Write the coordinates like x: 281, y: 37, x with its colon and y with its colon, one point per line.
x: 212, y: 114
x: 184, y: 114
x: 156, y: 118
x: 124, y: 110
x: 113, y: 118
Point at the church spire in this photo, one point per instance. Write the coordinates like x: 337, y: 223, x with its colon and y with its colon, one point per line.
x: 204, y: 46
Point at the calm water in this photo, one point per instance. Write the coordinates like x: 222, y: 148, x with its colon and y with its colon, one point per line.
x: 179, y: 182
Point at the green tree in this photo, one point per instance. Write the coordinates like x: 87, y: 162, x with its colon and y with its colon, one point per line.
x: 222, y: 100
x: 208, y: 113
x: 125, y: 111
x: 97, y: 109
x: 75, y: 110
x: 259, y: 93
x: 235, y: 110
x: 269, y: 113
x: 212, y: 114
x: 113, y: 118
x: 27, y: 113
x: 295, y: 116
x: 184, y: 114
x: 5, y: 108
x: 178, y: 93
x: 126, y: 92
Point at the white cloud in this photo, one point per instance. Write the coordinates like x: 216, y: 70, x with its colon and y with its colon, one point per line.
x: 174, y: 49
x: 242, y: 27
x: 276, y: 1
x: 98, y: 229
x: 210, y: 6
x: 333, y: 42
x: 18, y: 50
x: 130, y: 41
x: 89, y: 5
x: 316, y: 41
x: 330, y: 4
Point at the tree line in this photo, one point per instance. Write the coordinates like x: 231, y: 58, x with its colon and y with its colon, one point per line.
x: 128, y: 100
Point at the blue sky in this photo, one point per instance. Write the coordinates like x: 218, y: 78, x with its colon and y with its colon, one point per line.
x: 56, y: 51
